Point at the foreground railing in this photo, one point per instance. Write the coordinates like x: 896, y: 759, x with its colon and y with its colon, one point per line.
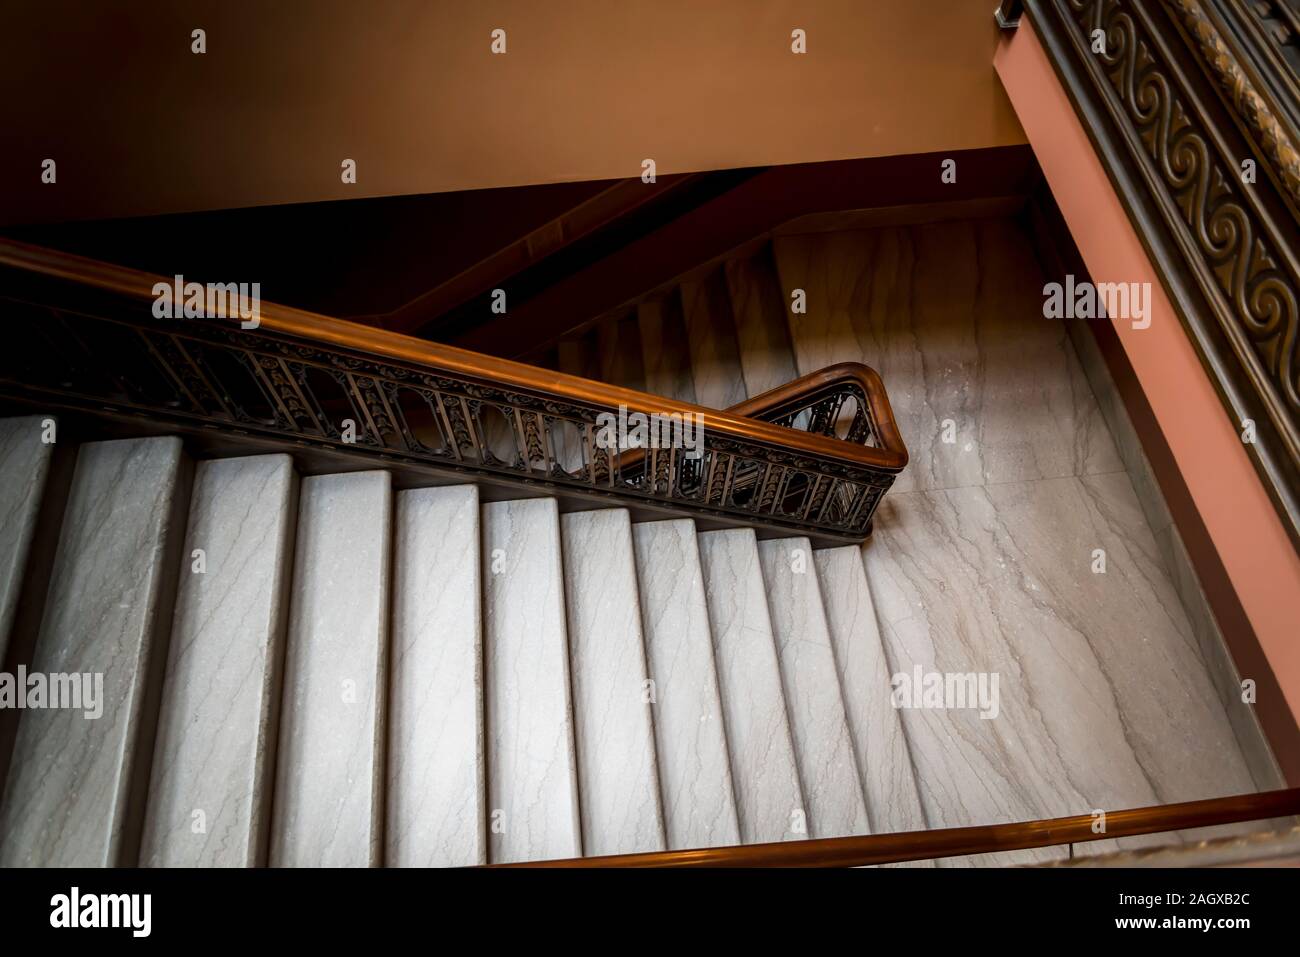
x: 83, y: 335
x: 959, y: 841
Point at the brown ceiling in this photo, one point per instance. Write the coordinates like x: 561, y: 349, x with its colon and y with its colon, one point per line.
x: 566, y: 252
x: 139, y: 125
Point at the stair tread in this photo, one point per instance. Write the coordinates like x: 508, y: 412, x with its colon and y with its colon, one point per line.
x: 210, y: 786
x: 436, y: 785
x: 580, y: 356
x: 769, y: 800
x: 617, y: 775
x: 828, y: 767
x: 889, y: 780
x: 664, y: 346
x: 24, y: 468
x: 328, y: 790
x: 694, y: 770
x: 762, y: 332
x: 711, y: 335
x: 69, y: 799
x: 531, y: 766
x: 618, y: 341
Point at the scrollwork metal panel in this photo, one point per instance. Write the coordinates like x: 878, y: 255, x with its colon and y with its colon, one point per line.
x: 1175, y: 116
x: 208, y: 374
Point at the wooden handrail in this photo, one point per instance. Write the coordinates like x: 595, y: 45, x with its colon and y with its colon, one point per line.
x: 772, y: 403
x: 890, y: 455
x: 959, y: 841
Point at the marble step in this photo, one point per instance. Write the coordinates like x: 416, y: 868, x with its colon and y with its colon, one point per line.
x: 214, y: 758
x: 531, y: 765
x: 612, y: 697
x: 769, y: 799
x: 24, y: 468
x: 888, y: 778
x: 76, y: 788
x: 711, y: 336
x: 328, y: 807
x: 759, y: 308
x: 436, y: 782
x: 580, y: 356
x: 618, y: 344
x: 828, y: 766
x: 664, y: 345
x: 694, y: 770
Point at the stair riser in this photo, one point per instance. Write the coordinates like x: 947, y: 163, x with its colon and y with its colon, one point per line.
x: 75, y: 793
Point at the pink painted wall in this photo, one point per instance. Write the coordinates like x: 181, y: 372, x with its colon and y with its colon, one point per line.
x: 1255, y: 551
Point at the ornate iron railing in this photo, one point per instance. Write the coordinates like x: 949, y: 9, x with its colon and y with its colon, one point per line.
x: 1193, y: 107
x: 83, y: 335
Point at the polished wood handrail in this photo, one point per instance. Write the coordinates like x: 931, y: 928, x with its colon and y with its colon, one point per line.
x: 890, y: 455
x: 769, y: 404
x: 959, y: 841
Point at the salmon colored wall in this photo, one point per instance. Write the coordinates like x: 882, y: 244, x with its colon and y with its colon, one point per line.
x: 409, y: 89
x: 1255, y: 551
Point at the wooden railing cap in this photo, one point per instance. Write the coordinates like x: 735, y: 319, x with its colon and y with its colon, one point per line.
x: 890, y: 455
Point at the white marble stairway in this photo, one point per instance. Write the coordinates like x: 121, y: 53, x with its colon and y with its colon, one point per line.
x: 351, y: 675
x: 1115, y: 684
x: 327, y: 670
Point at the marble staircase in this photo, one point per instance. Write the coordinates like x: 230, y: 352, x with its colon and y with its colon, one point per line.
x: 322, y: 671
x: 1117, y: 688
x: 327, y: 670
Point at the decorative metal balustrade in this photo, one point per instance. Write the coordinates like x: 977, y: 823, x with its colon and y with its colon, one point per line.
x: 83, y: 336
x: 1193, y: 109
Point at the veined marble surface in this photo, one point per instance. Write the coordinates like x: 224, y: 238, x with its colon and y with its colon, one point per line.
x: 763, y: 336
x: 66, y: 799
x: 24, y: 467
x: 694, y: 771
x: 711, y: 336
x: 888, y: 778
x: 1104, y: 697
x: 950, y: 313
x: 618, y: 344
x: 1108, y: 700
x: 617, y: 775
x: 532, y: 769
x: 436, y: 782
x: 210, y: 787
x: 946, y: 315
x: 1263, y: 766
x: 769, y: 800
x: 328, y: 806
x: 663, y: 344
x: 828, y: 767
x: 580, y: 356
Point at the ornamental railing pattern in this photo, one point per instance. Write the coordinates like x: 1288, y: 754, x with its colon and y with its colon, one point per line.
x: 83, y: 336
x: 1194, y: 111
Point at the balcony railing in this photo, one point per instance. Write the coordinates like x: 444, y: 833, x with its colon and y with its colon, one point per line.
x: 813, y: 457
